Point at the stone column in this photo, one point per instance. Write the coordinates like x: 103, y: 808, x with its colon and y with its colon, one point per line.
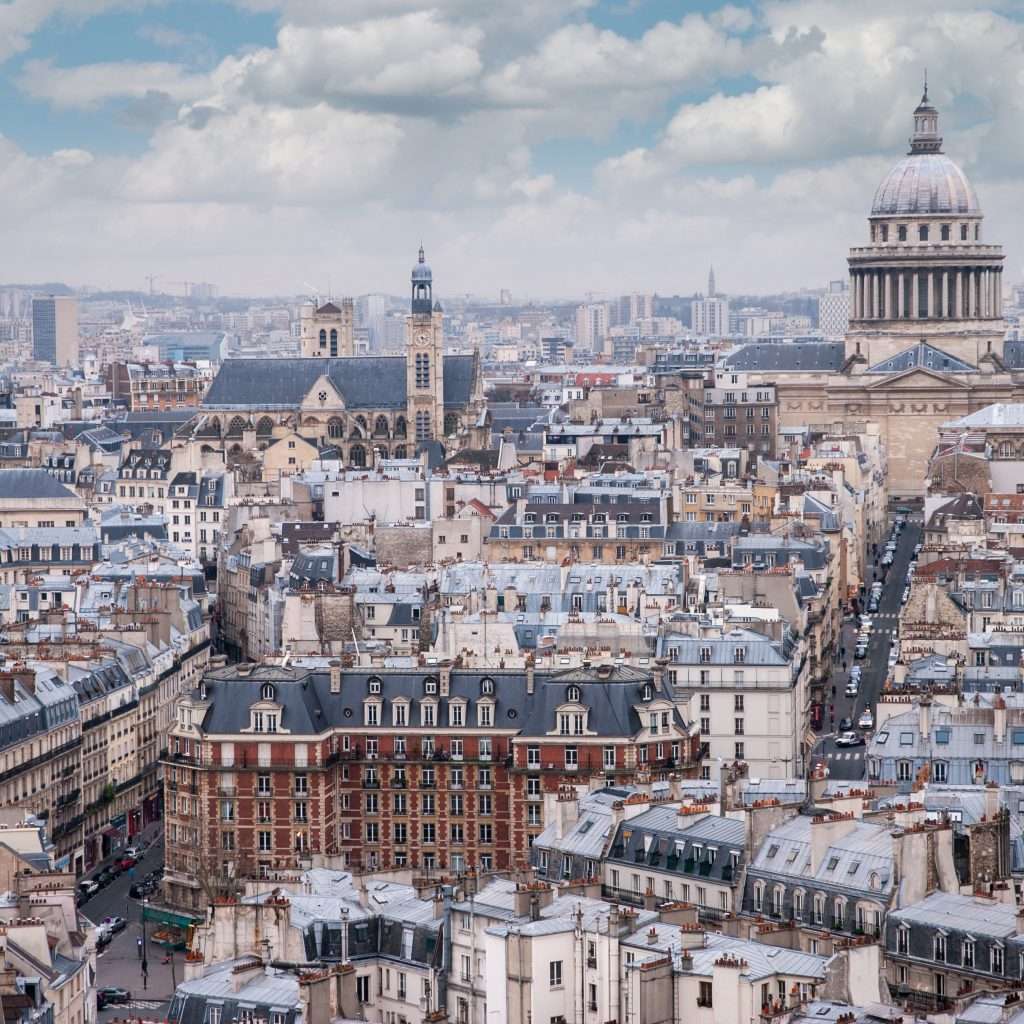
x: 999, y: 292
x: 856, y: 295
x: 972, y: 293
x: 959, y: 295
x: 986, y: 292
x: 899, y: 295
x: 944, y: 311
x: 914, y: 294
x: 931, y: 295
x: 875, y: 312
x: 853, y: 295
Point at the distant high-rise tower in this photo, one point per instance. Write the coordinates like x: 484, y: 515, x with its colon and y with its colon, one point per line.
x: 55, y: 330
x: 711, y: 283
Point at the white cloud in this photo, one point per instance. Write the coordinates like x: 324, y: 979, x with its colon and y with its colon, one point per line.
x: 90, y: 85
x: 371, y: 124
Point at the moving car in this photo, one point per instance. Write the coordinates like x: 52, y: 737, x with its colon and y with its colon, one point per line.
x: 866, y: 720
x: 906, y: 595
x: 126, y: 862
x: 861, y: 651
x: 88, y: 887
x: 850, y: 739
x: 112, y: 995
x: 115, y: 924
x: 845, y: 725
x: 852, y: 688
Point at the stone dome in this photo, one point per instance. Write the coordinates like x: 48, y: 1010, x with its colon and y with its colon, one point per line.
x: 922, y: 184
x: 421, y: 269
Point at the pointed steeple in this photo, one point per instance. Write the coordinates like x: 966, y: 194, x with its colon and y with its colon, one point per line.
x: 711, y: 282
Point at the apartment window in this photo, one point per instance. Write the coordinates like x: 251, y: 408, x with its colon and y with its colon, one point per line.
x: 738, y: 726
x: 533, y: 757
x: 968, y: 953
x: 940, y: 948
x: 609, y: 757
x: 363, y: 988
x: 555, y: 974
x: 263, y: 785
x: 704, y: 996
x: 705, y: 702
x: 737, y: 702
x: 264, y: 841
x: 997, y: 959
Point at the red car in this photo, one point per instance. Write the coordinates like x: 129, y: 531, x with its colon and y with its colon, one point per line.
x: 126, y: 862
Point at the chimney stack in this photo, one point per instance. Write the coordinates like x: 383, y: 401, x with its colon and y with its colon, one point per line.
x: 335, y: 667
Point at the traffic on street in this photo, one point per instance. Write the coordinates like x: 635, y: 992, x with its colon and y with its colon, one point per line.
x: 867, y: 653
x: 123, y: 988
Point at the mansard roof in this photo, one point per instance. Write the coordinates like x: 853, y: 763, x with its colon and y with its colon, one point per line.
x: 789, y: 357
x: 365, y: 382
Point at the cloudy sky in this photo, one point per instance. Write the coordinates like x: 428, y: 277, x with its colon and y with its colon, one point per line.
x: 552, y: 147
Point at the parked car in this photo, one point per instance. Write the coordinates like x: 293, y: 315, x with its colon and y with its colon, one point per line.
x: 88, y: 887
x: 850, y: 739
x: 105, y: 877
x: 866, y: 720
x: 845, y: 724
x: 861, y: 651
x: 115, y: 923
x: 126, y: 863
x: 134, y: 852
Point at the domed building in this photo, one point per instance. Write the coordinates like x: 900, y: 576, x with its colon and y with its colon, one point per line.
x: 926, y: 272
x: 925, y: 341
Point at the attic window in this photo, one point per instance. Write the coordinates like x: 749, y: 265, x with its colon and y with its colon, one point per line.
x: 487, y: 686
x: 853, y: 868
x: 430, y: 684
x: 772, y: 850
x: 374, y: 684
x: 586, y: 826
x: 833, y: 863
x: 267, y: 691
x: 792, y: 855
x: 572, y: 695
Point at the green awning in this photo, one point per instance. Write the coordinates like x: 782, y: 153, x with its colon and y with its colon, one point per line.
x: 171, y: 917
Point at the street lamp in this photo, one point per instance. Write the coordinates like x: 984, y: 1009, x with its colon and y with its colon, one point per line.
x: 145, y: 962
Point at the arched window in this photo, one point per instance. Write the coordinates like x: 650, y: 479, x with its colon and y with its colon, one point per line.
x: 236, y: 426
x: 451, y: 424
x: 380, y: 427
x: 334, y: 341
x: 357, y: 455
x: 323, y: 338
x: 1005, y: 450
x: 572, y: 695
x: 399, y: 451
x: 424, y: 431
x: 422, y: 370
x: 267, y: 691
x: 359, y: 427
x: 944, y: 234
x: 922, y: 233
x: 487, y: 686
x: 901, y: 232
x: 265, y: 426
x: 401, y: 430
x: 335, y: 428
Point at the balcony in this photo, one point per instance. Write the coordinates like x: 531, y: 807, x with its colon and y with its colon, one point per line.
x: 629, y: 896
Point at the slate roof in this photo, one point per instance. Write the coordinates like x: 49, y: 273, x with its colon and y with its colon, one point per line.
x: 31, y: 483
x: 309, y: 707
x: 959, y: 913
x: 1013, y: 354
x: 848, y: 863
x: 922, y: 354
x: 365, y: 382
x: 789, y: 357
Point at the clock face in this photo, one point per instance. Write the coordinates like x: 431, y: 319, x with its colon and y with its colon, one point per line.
x: 422, y: 339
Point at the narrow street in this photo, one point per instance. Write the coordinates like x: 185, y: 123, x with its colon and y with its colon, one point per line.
x: 847, y: 763
x: 119, y: 964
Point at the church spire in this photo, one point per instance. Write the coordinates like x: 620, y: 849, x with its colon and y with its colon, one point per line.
x: 711, y: 282
x: 926, y: 137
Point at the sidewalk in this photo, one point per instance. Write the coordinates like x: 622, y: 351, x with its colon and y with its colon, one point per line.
x: 153, y: 831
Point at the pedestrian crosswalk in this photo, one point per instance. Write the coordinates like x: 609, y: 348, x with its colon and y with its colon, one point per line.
x: 142, y: 1004
x: 844, y: 755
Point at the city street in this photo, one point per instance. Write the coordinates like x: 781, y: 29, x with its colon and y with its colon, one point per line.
x: 119, y: 963
x: 847, y: 763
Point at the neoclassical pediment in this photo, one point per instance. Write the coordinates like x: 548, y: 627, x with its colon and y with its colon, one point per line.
x: 918, y: 377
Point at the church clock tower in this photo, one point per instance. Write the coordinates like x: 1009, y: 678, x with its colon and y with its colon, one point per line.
x: 424, y: 348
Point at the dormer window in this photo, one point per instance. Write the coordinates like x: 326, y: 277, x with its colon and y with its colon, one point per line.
x: 648, y: 691
x: 487, y: 686
x: 622, y: 517
x: 530, y: 517
x: 374, y: 684
x: 371, y: 713
x: 264, y: 721
x: 740, y: 655
x: 572, y: 695
x: 457, y: 714
x: 430, y: 685
x: 267, y: 691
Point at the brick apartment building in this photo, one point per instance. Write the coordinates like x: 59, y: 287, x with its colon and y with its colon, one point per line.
x: 434, y: 769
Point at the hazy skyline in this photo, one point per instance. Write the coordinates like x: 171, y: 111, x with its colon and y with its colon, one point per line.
x: 551, y: 147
